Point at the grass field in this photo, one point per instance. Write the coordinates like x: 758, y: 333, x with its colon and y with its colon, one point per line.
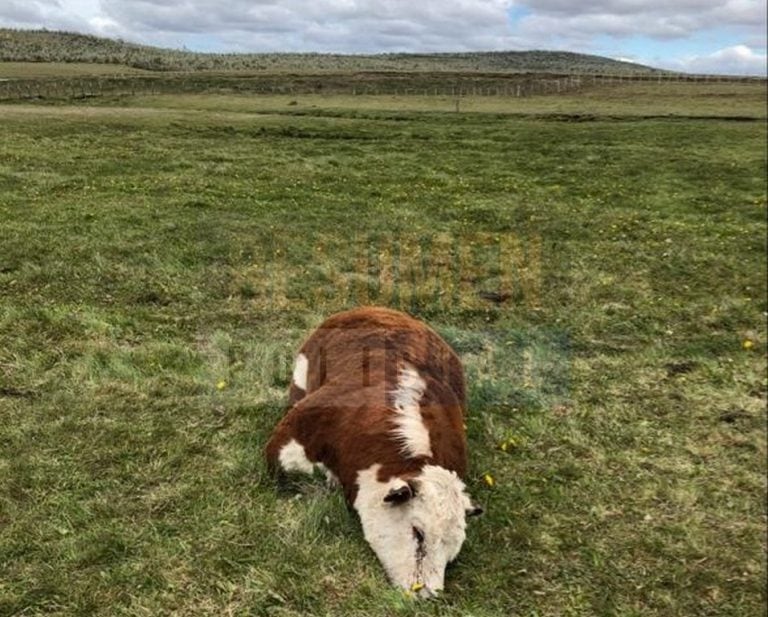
x: 633, y: 100
x: 162, y: 257
x: 25, y: 70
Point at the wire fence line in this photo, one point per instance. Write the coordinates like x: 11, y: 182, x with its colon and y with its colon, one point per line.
x: 513, y: 85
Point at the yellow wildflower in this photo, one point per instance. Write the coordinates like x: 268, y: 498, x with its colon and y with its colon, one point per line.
x: 508, y: 444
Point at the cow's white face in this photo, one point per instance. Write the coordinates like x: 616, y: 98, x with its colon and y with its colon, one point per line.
x: 415, y: 527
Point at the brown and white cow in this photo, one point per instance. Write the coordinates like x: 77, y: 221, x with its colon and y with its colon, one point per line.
x: 378, y: 402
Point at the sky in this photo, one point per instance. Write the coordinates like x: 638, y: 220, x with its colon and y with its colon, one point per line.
x: 699, y: 36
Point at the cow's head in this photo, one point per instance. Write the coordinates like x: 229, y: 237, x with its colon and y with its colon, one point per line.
x: 416, y: 525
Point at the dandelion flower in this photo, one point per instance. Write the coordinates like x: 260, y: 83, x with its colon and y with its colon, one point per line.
x: 220, y: 385
x: 489, y: 480
x: 416, y: 587
x: 508, y: 444
x: 747, y: 344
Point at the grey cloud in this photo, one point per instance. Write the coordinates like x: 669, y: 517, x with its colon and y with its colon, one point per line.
x: 24, y: 11
x: 580, y: 28
x: 51, y: 14
x: 188, y: 17
x: 656, y: 18
x: 19, y: 11
x: 326, y: 25
x: 615, y: 7
x: 741, y: 13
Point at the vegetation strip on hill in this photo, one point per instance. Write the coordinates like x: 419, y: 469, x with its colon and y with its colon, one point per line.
x: 45, y: 46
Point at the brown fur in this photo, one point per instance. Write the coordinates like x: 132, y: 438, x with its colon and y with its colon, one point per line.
x: 344, y: 419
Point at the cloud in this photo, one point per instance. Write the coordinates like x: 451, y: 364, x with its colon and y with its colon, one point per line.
x: 736, y: 60
x: 699, y: 12
x: 51, y: 14
x: 325, y: 25
x: 727, y: 36
x: 27, y: 11
x: 570, y: 21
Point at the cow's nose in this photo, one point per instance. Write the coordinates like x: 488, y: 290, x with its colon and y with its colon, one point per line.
x: 425, y: 593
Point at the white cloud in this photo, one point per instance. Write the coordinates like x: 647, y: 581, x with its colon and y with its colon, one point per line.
x: 104, y: 25
x: 736, y: 60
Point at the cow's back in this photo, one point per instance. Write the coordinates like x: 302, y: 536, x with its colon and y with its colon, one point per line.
x: 373, y: 344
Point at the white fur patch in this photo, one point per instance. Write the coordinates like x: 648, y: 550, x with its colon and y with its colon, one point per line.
x: 410, y: 431
x: 438, y: 510
x: 300, y: 370
x: 331, y: 479
x: 293, y: 457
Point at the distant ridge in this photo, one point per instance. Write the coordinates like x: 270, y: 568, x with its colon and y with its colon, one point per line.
x: 53, y: 46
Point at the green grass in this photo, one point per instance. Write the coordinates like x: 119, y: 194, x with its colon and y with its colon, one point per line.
x: 26, y: 70
x: 628, y: 100
x: 161, y: 259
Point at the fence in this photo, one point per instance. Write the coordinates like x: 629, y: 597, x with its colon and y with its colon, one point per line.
x: 423, y: 84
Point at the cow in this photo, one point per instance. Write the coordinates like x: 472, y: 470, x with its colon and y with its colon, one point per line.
x: 377, y: 403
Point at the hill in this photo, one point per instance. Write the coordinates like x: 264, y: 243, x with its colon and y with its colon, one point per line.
x: 49, y: 46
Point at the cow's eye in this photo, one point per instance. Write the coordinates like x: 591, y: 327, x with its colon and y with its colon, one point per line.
x: 418, y: 534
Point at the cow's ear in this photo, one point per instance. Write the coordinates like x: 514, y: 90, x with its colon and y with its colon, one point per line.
x: 399, y: 495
